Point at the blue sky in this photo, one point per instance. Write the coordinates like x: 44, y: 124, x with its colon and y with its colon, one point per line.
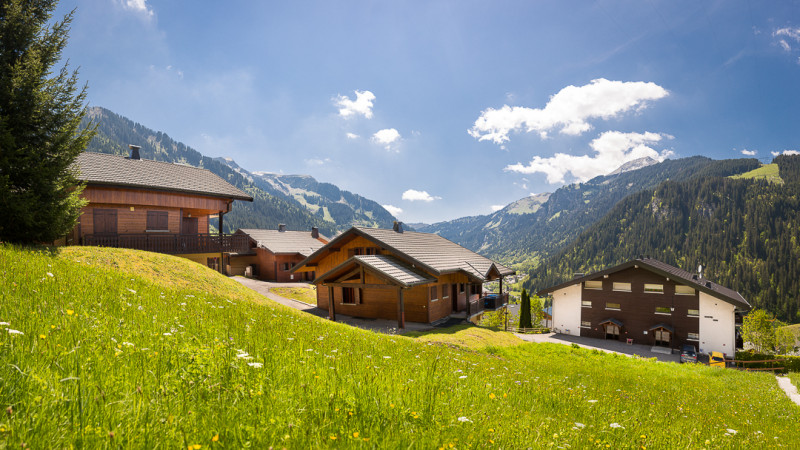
x: 443, y: 109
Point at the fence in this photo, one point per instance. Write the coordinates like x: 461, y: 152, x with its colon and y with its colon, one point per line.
x: 172, y: 243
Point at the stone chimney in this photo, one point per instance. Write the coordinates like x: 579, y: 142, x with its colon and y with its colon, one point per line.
x: 134, y: 151
x: 315, y: 232
x: 281, y: 227
x: 398, y: 227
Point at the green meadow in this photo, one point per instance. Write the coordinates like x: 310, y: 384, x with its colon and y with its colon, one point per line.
x: 119, y: 348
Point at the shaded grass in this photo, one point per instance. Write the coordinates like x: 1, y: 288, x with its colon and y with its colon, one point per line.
x: 468, y: 337
x: 118, y: 358
x: 301, y: 294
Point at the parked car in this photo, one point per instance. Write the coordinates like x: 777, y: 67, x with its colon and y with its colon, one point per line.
x: 688, y: 353
x: 717, y: 360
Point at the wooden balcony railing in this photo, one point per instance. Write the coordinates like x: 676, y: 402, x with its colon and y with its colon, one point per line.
x: 495, y: 301
x: 172, y: 243
x: 474, y: 307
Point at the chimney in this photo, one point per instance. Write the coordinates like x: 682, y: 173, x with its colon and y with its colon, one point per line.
x: 281, y: 227
x: 134, y: 151
x: 315, y: 232
x: 398, y: 227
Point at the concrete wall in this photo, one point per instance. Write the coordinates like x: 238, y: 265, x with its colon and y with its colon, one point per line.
x: 567, y: 310
x: 717, y: 326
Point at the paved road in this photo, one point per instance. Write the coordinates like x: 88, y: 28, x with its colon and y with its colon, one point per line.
x: 377, y: 325
x: 790, y: 389
x: 608, y: 346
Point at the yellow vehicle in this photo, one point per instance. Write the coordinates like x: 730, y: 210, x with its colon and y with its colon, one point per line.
x: 717, y: 359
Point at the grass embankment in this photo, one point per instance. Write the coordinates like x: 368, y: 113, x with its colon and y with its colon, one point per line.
x: 795, y: 377
x: 768, y: 172
x: 301, y: 294
x: 94, y: 356
x: 467, y: 337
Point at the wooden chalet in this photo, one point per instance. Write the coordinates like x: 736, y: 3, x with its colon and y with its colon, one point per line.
x: 274, y: 253
x: 646, y: 301
x: 155, y: 206
x: 397, y: 274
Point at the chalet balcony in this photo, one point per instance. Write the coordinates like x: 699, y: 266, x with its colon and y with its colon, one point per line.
x: 494, y: 301
x: 175, y: 244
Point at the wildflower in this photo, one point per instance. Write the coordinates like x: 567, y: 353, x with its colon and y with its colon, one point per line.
x: 355, y: 434
x: 492, y: 396
x: 215, y: 438
x: 462, y: 377
x: 70, y: 312
x: 256, y: 365
x: 167, y: 334
x: 49, y: 274
x: 731, y: 431
x: 10, y: 331
x: 4, y: 324
x: 333, y: 438
x: 41, y: 336
x: 592, y: 401
x: 580, y: 425
x: 464, y: 419
x: 616, y: 425
x: 131, y: 290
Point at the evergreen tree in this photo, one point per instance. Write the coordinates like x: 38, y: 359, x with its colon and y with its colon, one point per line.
x: 40, y: 133
x: 525, y: 311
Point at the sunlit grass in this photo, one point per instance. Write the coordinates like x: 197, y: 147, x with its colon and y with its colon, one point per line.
x: 768, y: 172
x: 467, y: 337
x: 301, y: 294
x: 130, y: 356
x: 795, y: 377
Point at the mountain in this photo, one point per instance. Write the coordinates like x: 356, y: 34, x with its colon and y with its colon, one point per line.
x: 271, y: 205
x: 532, y: 229
x: 744, y: 230
x: 325, y: 201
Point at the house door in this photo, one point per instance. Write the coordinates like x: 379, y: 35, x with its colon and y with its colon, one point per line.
x: 454, y: 296
x: 612, y: 331
x: 189, y: 225
x: 662, y: 337
x: 105, y: 221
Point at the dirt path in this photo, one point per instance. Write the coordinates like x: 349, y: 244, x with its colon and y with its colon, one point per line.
x: 791, y: 390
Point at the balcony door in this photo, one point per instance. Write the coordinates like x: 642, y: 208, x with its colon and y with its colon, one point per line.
x: 189, y: 225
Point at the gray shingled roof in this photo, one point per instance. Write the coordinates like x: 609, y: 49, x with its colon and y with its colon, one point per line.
x: 704, y: 285
x: 112, y: 170
x: 285, y: 242
x: 394, y: 269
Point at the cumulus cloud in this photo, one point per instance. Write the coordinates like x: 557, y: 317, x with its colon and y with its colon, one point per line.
x: 414, y: 195
x: 496, y: 208
x: 352, y: 136
x: 138, y: 6
x: 749, y: 152
x: 386, y: 137
x: 786, y: 152
x: 393, y: 210
x: 362, y: 105
x: 612, y: 149
x: 791, y: 33
x: 569, y: 110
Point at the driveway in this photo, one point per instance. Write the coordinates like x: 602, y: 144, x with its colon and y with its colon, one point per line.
x: 604, y: 345
x: 377, y: 325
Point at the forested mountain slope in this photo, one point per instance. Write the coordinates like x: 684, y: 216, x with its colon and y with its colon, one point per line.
x: 745, y: 232
x: 516, y: 237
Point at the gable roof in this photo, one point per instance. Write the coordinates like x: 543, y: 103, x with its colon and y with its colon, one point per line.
x: 430, y: 251
x: 101, y: 169
x: 386, y: 266
x: 285, y: 242
x: 653, y: 265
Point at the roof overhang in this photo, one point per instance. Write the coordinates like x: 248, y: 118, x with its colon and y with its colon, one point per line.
x: 616, y: 322
x: 142, y: 187
x: 391, y: 270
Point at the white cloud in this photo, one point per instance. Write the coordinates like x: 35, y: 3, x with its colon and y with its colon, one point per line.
x: 138, y: 6
x: 317, y: 161
x: 496, y: 208
x: 362, y: 105
x: 612, y: 148
x: 785, y: 45
x: 393, y: 210
x: 352, y: 136
x: 786, y: 152
x: 413, y: 195
x: 791, y: 33
x: 749, y: 152
x: 386, y: 137
x: 569, y: 110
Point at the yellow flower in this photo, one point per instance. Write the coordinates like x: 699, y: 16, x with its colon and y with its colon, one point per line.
x: 355, y: 435
x: 41, y: 336
x: 215, y: 438
x: 491, y: 430
x: 197, y: 446
x: 70, y: 312
x: 391, y: 405
x: 53, y: 327
x: 333, y: 438
x: 366, y: 439
x: 491, y: 396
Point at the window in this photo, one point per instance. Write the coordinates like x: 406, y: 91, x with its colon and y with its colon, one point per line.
x: 598, y: 285
x: 586, y: 324
x: 693, y: 313
x: 105, y: 221
x: 586, y: 303
x: 683, y: 290
x: 654, y: 288
x: 371, y: 251
x: 157, y: 221
x: 693, y: 336
x: 461, y: 288
x: 445, y: 293
x: 623, y: 287
x: 614, y: 306
x: 663, y: 310
x: 475, y: 289
x: 434, y: 293
x: 284, y: 266
x: 348, y: 296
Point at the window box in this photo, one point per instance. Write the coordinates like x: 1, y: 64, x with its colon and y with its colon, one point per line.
x: 664, y: 310
x: 693, y: 313
x: 654, y: 288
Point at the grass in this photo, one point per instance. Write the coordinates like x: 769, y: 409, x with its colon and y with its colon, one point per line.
x: 767, y: 172
x: 301, y: 294
x: 795, y: 377
x: 468, y: 337
x: 795, y: 329
x: 98, y: 350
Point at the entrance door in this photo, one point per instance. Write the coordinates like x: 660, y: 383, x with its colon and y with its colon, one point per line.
x: 189, y: 225
x: 662, y: 337
x: 612, y: 331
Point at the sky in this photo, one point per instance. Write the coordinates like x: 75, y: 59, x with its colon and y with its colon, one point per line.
x: 444, y: 109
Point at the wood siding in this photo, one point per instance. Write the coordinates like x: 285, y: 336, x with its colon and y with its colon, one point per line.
x: 134, y: 197
x: 638, y: 308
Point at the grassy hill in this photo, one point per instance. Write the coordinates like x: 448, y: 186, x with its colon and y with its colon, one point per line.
x: 116, y: 348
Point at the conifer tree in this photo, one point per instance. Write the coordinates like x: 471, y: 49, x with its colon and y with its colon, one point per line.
x: 40, y: 133
x: 525, y: 311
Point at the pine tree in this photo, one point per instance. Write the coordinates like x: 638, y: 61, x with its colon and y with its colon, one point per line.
x: 40, y: 133
x: 525, y: 311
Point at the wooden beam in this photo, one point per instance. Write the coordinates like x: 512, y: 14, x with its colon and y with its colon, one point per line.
x: 331, y: 309
x: 401, y: 310
x: 357, y: 285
